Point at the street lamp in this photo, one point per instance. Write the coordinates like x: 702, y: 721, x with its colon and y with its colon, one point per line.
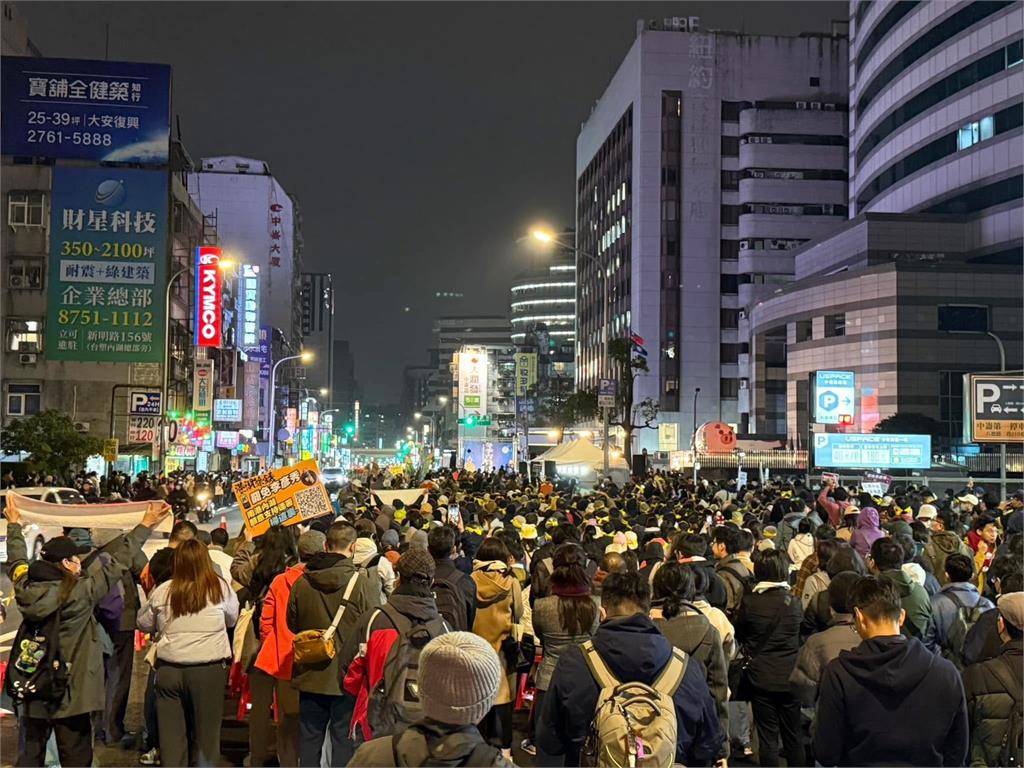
x: 693, y: 435
x: 167, y: 357
x: 547, y: 237
x: 305, y: 357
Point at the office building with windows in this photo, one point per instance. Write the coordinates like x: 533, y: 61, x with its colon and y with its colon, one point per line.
x: 710, y: 157
x: 923, y: 284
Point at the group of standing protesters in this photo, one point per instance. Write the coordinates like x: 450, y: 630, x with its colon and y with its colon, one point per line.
x: 820, y: 626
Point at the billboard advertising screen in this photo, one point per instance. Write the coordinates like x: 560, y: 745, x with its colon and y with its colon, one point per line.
x: 847, y: 451
x: 105, y: 111
x: 108, y: 258
x: 472, y: 383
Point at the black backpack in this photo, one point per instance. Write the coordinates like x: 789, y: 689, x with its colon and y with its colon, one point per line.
x: 1011, y: 751
x: 37, y: 670
x: 395, y: 701
x: 451, y: 603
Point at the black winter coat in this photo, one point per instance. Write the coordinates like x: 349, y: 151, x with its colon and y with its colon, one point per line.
x: 989, y: 702
x: 771, y: 667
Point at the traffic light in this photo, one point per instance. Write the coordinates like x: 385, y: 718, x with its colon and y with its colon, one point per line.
x: 471, y: 421
x: 350, y: 428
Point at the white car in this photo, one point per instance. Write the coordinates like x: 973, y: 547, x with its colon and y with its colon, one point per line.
x: 37, y: 535
x: 333, y: 476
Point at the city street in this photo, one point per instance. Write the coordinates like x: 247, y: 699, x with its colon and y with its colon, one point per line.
x: 590, y: 324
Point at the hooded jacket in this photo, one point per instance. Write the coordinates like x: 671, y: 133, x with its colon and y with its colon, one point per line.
x: 312, y: 604
x: 915, y: 602
x: 866, y: 532
x: 941, y: 545
x: 498, y: 602
x: 37, y: 591
x: 634, y: 650
x: 366, y: 669
x: 989, y: 702
x: 869, y: 695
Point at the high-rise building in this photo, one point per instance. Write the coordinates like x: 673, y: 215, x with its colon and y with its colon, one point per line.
x: 258, y: 225
x: 344, y: 388
x: 708, y: 158
x: 923, y: 284
x: 544, y: 299
x: 317, y: 313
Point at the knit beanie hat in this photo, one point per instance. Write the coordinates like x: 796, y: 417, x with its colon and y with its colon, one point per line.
x: 459, y: 677
x: 310, y: 543
x: 416, y: 563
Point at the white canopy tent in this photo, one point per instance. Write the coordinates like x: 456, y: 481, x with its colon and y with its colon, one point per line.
x: 581, y: 458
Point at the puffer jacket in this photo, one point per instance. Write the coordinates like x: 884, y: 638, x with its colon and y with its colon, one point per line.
x: 989, y: 703
x: 312, y: 604
x: 275, y: 654
x: 198, y: 638
x: 498, y: 599
x: 37, y: 592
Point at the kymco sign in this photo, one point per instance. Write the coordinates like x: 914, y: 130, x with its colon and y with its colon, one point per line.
x: 208, y: 290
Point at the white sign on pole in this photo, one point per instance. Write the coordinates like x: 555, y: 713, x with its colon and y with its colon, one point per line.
x: 142, y: 429
x: 835, y: 396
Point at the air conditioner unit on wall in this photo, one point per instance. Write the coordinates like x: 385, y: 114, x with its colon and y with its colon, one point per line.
x: 81, y: 426
x: 16, y: 281
x: 27, y: 359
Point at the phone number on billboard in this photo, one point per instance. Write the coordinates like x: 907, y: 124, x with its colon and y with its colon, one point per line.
x: 106, y: 250
x: 95, y: 317
x: 85, y: 138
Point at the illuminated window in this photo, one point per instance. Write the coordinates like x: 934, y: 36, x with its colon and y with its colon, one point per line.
x: 24, y: 335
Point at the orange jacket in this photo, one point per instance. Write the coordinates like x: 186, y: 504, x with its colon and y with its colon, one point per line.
x: 275, y: 654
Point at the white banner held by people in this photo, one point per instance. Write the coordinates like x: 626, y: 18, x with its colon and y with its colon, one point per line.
x: 122, y: 517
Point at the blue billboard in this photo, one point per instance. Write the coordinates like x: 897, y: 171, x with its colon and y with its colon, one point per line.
x: 835, y: 397
x: 105, y: 111
x: 108, y: 265
x: 873, y: 451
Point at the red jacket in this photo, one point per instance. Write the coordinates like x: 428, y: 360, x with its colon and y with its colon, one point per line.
x: 378, y: 634
x: 275, y: 654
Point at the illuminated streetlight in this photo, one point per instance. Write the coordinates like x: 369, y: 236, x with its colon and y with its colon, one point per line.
x: 417, y: 415
x: 543, y: 235
x: 323, y: 391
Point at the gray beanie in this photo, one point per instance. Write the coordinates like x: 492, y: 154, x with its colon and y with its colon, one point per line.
x: 459, y: 677
x: 311, y: 543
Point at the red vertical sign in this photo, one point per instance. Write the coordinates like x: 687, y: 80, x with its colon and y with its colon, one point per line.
x: 208, y: 297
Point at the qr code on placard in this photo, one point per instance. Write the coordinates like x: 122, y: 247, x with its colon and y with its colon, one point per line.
x: 312, y: 502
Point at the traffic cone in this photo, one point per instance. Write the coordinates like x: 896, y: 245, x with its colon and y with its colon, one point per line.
x: 223, y: 521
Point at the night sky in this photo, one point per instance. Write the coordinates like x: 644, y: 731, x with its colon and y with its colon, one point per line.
x: 422, y: 139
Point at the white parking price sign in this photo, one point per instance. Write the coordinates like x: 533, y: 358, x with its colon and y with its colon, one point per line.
x: 142, y: 429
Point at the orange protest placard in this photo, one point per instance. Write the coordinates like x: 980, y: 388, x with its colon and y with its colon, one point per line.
x: 282, y: 497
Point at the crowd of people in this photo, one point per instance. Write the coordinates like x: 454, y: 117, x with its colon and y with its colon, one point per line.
x: 664, y: 621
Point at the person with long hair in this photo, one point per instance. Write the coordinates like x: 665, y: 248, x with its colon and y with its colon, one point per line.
x: 191, y: 614
x: 568, y: 617
x: 688, y: 629
x: 57, y: 587
x: 499, y: 605
x: 255, y: 569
